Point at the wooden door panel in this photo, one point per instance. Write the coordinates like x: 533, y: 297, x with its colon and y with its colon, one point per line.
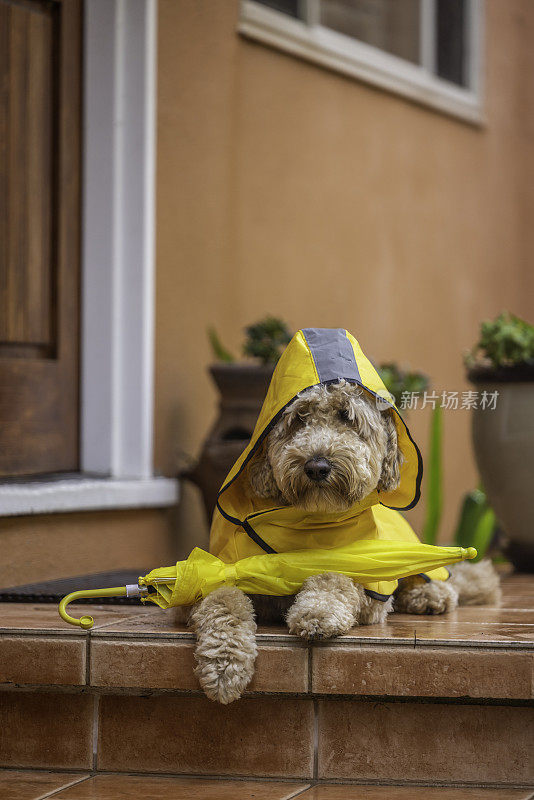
x: 40, y: 107
x: 27, y: 54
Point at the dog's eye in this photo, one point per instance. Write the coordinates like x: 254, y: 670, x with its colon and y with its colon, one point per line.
x: 344, y: 415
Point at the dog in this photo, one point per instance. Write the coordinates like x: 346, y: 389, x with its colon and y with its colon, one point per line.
x: 331, y: 447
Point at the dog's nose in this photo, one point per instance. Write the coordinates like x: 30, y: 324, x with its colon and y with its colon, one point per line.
x: 317, y: 468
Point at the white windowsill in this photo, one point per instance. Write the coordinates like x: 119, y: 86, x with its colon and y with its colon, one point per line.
x: 356, y: 59
x: 87, y: 494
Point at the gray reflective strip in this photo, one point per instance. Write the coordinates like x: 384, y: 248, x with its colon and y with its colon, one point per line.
x: 332, y: 353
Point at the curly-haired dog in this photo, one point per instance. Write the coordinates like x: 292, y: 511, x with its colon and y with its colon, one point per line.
x: 329, y: 449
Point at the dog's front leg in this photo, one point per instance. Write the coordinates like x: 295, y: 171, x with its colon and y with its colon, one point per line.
x: 226, y: 649
x: 327, y: 605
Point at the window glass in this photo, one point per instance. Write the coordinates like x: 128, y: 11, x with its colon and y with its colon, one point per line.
x: 451, y: 41
x: 390, y: 26
x: 289, y: 7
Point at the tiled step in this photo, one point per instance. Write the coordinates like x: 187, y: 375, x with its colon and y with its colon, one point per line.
x: 417, y: 700
x: 278, y: 737
x: 18, y: 785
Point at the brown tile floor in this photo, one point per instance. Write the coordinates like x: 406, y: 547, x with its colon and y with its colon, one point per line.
x: 512, y: 623
x: 44, y: 618
x: 40, y: 785
x: 37, y: 786
x: 19, y: 785
x: 337, y: 792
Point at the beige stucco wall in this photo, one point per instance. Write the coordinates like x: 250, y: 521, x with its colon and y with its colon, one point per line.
x: 44, y: 547
x: 285, y: 188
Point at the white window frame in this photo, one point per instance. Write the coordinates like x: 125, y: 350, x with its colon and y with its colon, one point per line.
x: 118, y: 274
x: 316, y: 43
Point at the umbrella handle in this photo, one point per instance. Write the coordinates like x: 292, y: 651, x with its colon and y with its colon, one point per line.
x: 86, y: 621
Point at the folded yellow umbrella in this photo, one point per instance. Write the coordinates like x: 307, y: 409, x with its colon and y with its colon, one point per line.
x: 365, y: 561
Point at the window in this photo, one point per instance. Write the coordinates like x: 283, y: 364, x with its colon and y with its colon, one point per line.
x: 425, y: 50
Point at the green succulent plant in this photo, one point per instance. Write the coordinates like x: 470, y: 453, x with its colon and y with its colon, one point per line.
x: 398, y: 381
x: 505, y: 341
x: 266, y: 340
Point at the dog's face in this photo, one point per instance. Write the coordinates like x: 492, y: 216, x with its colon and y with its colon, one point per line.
x: 331, y: 448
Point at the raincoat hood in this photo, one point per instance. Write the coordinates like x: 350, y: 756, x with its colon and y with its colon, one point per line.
x: 243, y: 526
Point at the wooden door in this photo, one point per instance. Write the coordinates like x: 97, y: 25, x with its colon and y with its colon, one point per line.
x: 40, y: 112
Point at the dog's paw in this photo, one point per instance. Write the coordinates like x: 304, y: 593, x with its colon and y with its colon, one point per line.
x: 226, y: 644
x: 223, y: 678
x: 319, y: 616
x: 435, y: 597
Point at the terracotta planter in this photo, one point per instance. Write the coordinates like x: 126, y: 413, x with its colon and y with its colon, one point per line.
x: 504, y: 449
x: 242, y: 389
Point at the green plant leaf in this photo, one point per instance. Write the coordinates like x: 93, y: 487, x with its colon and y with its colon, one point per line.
x: 471, y: 510
x: 507, y: 340
x: 434, y: 492
x: 219, y: 351
x: 484, y: 532
x: 477, y: 523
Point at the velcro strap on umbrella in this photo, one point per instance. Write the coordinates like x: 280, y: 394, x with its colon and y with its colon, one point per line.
x: 230, y: 574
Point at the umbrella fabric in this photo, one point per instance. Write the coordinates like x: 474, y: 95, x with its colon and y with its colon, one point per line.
x: 365, y: 561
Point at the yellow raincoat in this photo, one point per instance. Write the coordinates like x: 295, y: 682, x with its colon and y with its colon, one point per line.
x: 245, y: 527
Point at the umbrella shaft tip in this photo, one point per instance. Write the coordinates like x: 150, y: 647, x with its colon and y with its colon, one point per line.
x: 470, y: 552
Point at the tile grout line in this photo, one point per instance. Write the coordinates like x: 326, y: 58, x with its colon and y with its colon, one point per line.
x: 57, y: 792
x: 315, y: 739
x: 298, y: 793
x: 310, y: 783
x: 88, y: 661
x: 315, y: 714
x: 96, y: 725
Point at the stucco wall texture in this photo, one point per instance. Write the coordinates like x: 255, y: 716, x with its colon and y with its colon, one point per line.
x: 285, y: 188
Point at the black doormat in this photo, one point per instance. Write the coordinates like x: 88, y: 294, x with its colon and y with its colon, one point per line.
x: 53, y: 591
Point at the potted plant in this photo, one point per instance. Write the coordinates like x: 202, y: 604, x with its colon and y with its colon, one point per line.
x: 501, y: 367
x: 242, y: 388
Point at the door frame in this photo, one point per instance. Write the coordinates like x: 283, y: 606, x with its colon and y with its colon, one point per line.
x: 118, y: 273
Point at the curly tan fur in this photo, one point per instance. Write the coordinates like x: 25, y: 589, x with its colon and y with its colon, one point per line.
x: 330, y: 605
x: 226, y: 649
x: 476, y: 584
x: 326, y: 606
x: 341, y: 423
x: 261, y: 482
x: 415, y: 596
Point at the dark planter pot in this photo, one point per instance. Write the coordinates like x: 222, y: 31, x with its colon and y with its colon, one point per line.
x: 503, y: 441
x: 242, y: 389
